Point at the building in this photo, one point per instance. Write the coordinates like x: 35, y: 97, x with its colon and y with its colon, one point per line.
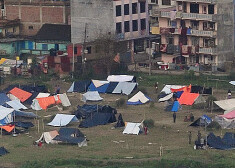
x: 198, y: 31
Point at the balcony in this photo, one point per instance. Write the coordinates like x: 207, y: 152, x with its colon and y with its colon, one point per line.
x: 211, y: 51
x: 200, y: 1
x: 203, y: 33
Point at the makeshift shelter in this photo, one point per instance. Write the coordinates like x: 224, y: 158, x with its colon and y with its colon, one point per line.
x: 188, y: 98
x: 232, y: 82
x: 91, y: 96
x: 229, y: 115
x: 3, y: 151
x: 16, y: 105
x: 34, y: 88
x: 166, y: 98
x: 224, y: 122
x: 167, y: 88
x: 71, y: 136
x: 62, y: 120
x: 201, y: 90
x: 42, y: 95
x: 25, y: 125
x: 24, y: 114
x: 79, y: 86
x: 100, y: 86
x: 4, y: 98
x: 29, y: 101
x: 175, y: 106
x: 200, y: 99
x: 6, y: 115
x: 121, y: 78
x: 111, y: 87
x: 230, y: 110
x: 218, y: 143
x: 138, y: 98
x: 64, y: 100
x: 202, y: 121
x: 226, y: 104
x: 20, y: 94
x: 229, y: 138
x: 48, y: 137
x: 125, y: 88
x: 8, y: 128
x: 133, y: 128
x: 43, y: 103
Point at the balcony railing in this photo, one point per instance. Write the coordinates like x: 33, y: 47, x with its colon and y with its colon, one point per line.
x: 212, y: 51
x: 203, y: 33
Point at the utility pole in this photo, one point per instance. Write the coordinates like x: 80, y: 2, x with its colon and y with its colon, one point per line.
x: 150, y: 61
x: 73, y: 60
x: 84, y: 48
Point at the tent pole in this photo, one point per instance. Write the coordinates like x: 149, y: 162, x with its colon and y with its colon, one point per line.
x: 38, y: 126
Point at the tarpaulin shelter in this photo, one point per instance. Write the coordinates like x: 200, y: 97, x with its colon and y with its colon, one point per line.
x: 121, y: 78
x: 232, y: 82
x: 91, y: 96
x: 4, y: 98
x: 79, y: 86
x: 201, y: 90
x: 202, y: 121
x: 178, y: 94
x: 229, y: 115
x: 64, y: 100
x: 25, y: 125
x: 200, y: 99
x: 188, y: 98
x: 138, y: 98
x: 228, y: 111
x: 24, y: 114
x: 29, y: 101
x: 125, y: 88
x: 111, y: 87
x: 229, y: 138
x: 43, y: 103
x: 3, y: 151
x: 97, y: 85
x: 226, y: 104
x: 20, y: 94
x: 42, y: 95
x: 166, y: 98
x: 48, y: 137
x: 133, y: 128
x: 175, y: 106
x: 6, y: 115
x: 34, y: 88
x: 224, y: 122
x: 16, y: 105
x: 62, y: 120
x: 8, y: 128
x: 218, y: 143
x: 10, y: 87
x: 167, y: 88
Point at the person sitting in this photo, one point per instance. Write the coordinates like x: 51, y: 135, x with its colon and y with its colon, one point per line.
x: 185, y: 119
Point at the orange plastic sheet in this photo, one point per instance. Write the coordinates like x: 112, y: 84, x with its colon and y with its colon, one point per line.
x: 47, y: 101
x: 8, y: 128
x: 185, y: 89
x: 20, y: 94
x: 188, y: 98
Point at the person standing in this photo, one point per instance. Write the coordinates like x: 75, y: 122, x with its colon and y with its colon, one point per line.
x: 190, y: 137
x: 229, y: 94
x: 174, y: 117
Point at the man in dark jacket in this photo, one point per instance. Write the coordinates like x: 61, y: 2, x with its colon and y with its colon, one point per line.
x: 174, y: 117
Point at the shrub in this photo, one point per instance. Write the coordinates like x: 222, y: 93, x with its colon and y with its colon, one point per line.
x: 120, y: 102
x: 149, y: 123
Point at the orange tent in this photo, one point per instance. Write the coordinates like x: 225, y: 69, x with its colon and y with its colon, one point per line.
x: 8, y: 128
x: 188, y: 98
x: 47, y: 101
x: 20, y: 94
x: 185, y: 89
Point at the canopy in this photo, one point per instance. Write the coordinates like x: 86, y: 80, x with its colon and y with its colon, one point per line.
x: 230, y: 115
x: 79, y: 86
x: 132, y: 128
x: 138, y: 98
x: 226, y: 104
x: 121, y: 78
x: 167, y: 88
x: 188, y: 98
x: 167, y: 97
x: 62, y: 120
x: 91, y: 96
x: 20, y: 94
x: 48, y: 137
x: 16, y: 105
x: 4, y: 98
x: 125, y: 88
x: 5, y: 115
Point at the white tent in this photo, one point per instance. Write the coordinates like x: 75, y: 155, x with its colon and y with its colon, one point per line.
x: 12, y: 97
x: 138, y: 98
x: 91, y: 96
x: 16, y: 105
x: 48, y: 137
x: 98, y: 83
x: 167, y: 97
x: 167, y: 88
x: 124, y: 87
x: 41, y: 95
x: 120, y: 78
x: 224, y: 122
x: 226, y: 104
x: 35, y: 105
x: 62, y: 120
x: 64, y: 100
x: 232, y: 82
x: 6, y: 116
x: 132, y: 128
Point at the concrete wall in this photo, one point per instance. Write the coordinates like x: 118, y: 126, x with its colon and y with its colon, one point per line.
x: 96, y: 14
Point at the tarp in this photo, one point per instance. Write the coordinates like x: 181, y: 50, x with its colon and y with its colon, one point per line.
x: 48, y: 137
x: 201, y: 90
x: 175, y: 106
x: 167, y: 88
x: 202, y: 121
x: 16, y: 105
x: 230, y: 115
x: 100, y: 86
x: 232, y: 82
x: 8, y: 128
x: 121, y: 78
x: 64, y: 100
x: 225, y: 123
x: 218, y: 143
x: 188, y: 98
x: 111, y: 87
x: 184, y: 89
x: 226, y: 104
x: 125, y: 88
x: 132, y: 128
x: 25, y: 125
x: 229, y: 138
x: 20, y: 94
x: 91, y: 96
x: 29, y: 101
x: 4, y: 98
x: 138, y: 98
x: 25, y: 114
x: 62, y: 120
x: 6, y: 116
x: 34, y: 88
x: 79, y: 86
x: 45, y: 102
x: 3, y: 151
x: 166, y: 98
x: 200, y: 99
x: 41, y: 95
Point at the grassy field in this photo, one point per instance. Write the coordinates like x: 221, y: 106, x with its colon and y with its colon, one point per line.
x: 108, y: 147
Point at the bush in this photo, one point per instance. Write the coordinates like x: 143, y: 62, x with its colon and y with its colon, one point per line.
x: 120, y: 102
x: 149, y: 123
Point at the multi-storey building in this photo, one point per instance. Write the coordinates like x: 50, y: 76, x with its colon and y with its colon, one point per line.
x: 198, y: 31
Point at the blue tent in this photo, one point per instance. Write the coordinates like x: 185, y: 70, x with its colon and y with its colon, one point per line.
x: 4, y: 98
x: 218, y: 143
x: 79, y: 86
x: 202, y: 121
x: 175, y: 106
x: 111, y: 87
x: 101, y: 89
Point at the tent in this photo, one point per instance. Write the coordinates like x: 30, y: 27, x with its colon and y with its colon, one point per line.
x: 218, y: 143
x: 166, y: 98
x: 229, y: 115
x: 232, y: 82
x: 97, y: 85
x: 48, y: 137
x: 71, y: 136
x: 29, y: 101
x: 6, y: 116
x: 200, y: 99
x: 41, y: 95
x: 121, y: 78
x: 43, y: 103
x: 133, y: 128
x: 226, y: 104
x: 175, y: 106
x: 20, y: 94
x: 62, y: 120
x: 224, y: 122
x: 79, y: 86
x: 16, y: 105
x: 229, y: 138
x: 167, y: 88
x: 91, y: 96
x: 4, y: 98
x: 202, y: 121
x: 228, y: 111
x: 25, y: 114
x: 125, y: 88
x: 188, y: 98
x: 3, y: 151
x: 111, y: 87
x: 64, y: 100
x: 138, y: 98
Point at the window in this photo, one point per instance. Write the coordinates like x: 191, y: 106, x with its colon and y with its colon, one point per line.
x: 195, y: 24
x: 126, y: 9
x: 118, y: 10
x: 127, y: 26
x: 154, y: 1
x: 204, y: 11
x: 194, y: 8
x: 166, y: 2
x: 30, y: 27
x: 143, y: 24
x: 75, y: 50
x: 44, y: 47
x: 88, y: 50
x: 170, y: 39
x: 195, y: 41
x: 118, y: 27
x: 142, y: 7
x: 211, y: 9
x: 135, y: 25
x: 14, y: 29
x: 134, y: 8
